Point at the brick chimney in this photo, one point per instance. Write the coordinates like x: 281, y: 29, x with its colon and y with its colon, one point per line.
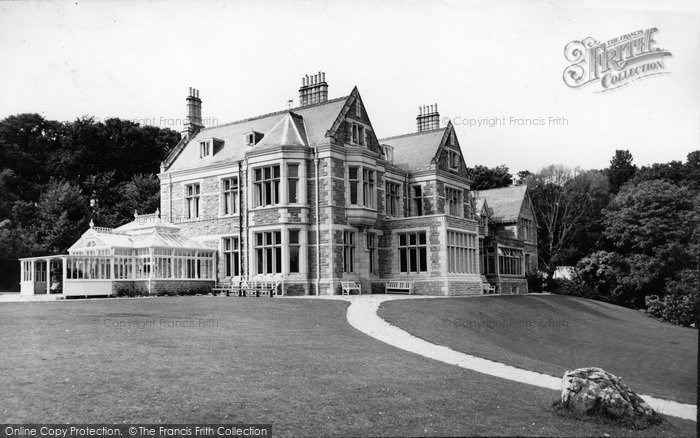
x: 193, y: 120
x: 314, y: 89
x: 428, y: 118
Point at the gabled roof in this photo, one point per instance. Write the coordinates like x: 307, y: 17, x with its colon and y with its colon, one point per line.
x: 481, y: 206
x: 312, y: 122
x: 416, y: 151
x: 504, y: 203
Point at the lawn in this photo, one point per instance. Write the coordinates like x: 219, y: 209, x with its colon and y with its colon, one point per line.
x: 552, y: 333
x: 295, y: 363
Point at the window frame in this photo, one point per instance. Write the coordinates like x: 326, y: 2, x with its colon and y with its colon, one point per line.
x: 192, y: 198
x: 410, y: 253
x: 453, y: 160
x: 372, y: 251
x: 392, y: 204
x: 509, y: 264
x: 259, y: 186
x: 462, y: 252
x: 452, y: 202
x: 232, y: 256
x: 268, y: 253
x: 293, y: 181
x: 349, y: 251
x: 232, y: 192
x: 205, y: 148
x: 292, y: 247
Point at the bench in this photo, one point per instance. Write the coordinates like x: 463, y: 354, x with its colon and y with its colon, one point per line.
x: 349, y: 286
x: 399, y: 287
x: 224, y: 286
x: 488, y: 288
x: 260, y: 288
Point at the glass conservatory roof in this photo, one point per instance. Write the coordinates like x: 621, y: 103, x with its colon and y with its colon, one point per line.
x: 145, y: 231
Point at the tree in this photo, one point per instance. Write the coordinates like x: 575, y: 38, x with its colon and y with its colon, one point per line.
x: 621, y: 169
x: 562, y: 198
x: 63, y: 215
x: 523, y: 176
x: 484, y: 177
x: 141, y: 194
x: 653, y: 225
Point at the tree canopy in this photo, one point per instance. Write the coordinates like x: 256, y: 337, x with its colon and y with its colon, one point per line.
x: 50, y: 170
x: 484, y: 178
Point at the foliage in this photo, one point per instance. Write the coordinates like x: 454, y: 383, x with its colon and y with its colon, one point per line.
x: 565, y: 201
x: 621, y: 169
x: 484, y: 177
x: 676, y: 309
x: 652, y: 224
x: 535, y: 281
x: 632, y: 233
x: 49, y: 172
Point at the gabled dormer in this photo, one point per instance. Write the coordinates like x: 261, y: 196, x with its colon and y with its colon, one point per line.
x: 449, y: 155
x: 353, y: 127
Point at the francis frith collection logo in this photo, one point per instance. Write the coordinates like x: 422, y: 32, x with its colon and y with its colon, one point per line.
x: 616, y: 62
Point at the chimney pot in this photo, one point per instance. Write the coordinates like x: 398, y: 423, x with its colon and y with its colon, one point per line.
x: 323, y: 77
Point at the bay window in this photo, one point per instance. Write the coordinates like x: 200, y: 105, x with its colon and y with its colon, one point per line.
x: 510, y: 261
x: 268, y: 252
x: 266, y: 185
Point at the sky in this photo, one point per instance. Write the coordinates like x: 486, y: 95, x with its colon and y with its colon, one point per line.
x: 501, y: 61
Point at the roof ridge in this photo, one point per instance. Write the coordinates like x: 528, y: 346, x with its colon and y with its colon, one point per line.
x: 412, y: 133
x: 503, y: 188
x: 274, y: 113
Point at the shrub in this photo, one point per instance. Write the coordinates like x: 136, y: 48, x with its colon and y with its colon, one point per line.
x: 535, y: 281
x: 130, y: 292
x: 677, y: 309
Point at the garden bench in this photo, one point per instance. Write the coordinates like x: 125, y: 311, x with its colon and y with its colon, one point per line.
x: 224, y: 286
x: 399, y: 287
x: 261, y: 288
x: 488, y: 288
x: 349, y: 286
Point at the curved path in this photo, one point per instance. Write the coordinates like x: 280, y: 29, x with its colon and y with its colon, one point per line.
x: 362, y: 314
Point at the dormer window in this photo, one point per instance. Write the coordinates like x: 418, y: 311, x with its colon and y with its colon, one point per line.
x: 453, y: 159
x: 205, y: 148
x: 252, y: 138
x: 358, y: 134
x: 389, y: 153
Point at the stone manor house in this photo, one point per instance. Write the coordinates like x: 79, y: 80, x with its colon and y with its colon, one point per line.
x: 312, y: 197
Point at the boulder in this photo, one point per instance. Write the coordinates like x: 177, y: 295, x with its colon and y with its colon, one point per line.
x: 593, y: 391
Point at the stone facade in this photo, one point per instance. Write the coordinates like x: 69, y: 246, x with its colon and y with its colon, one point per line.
x: 319, y: 199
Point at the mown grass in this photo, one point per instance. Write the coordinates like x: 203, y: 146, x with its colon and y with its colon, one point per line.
x: 295, y: 363
x: 652, y: 357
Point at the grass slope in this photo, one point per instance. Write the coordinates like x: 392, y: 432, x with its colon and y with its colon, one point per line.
x: 294, y: 363
x: 552, y: 334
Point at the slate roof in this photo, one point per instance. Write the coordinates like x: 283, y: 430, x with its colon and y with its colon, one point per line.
x: 479, y: 204
x: 415, y: 151
x: 504, y: 203
x: 311, y: 122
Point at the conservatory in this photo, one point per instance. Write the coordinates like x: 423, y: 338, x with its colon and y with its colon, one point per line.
x: 145, y: 256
